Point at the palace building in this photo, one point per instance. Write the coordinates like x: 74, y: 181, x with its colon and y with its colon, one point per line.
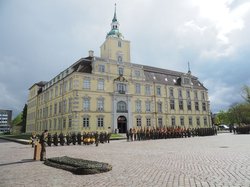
x: 110, y: 93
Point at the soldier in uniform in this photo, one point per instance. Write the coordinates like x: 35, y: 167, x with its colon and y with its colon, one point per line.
x: 68, y: 139
x: 73, y: 138
x: 43, y: 146
x: 61, y: 138
x: 55, y: 139
x: 79, y: 138
x: 96, y: 138
x: 49, y: 139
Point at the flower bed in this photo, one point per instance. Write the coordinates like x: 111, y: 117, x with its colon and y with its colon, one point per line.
x: 78, y: 166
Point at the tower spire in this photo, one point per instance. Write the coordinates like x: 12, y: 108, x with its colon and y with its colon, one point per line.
x: 114, y: 18
x: 189, y: 71
x: 114, y: 27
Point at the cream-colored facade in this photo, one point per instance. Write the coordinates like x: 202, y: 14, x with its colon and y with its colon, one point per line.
x: 109, y: 93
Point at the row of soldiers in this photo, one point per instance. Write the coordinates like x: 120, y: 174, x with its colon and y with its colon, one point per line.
x: 168, y: 132
x: 73, y: 138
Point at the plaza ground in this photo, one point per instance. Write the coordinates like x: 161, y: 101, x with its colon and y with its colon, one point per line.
x: 222, y: 160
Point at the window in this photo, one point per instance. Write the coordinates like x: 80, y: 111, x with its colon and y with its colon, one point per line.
x: 181, y: 104
x: 148, y: 122
x: 198, y: 121
x: 205, y: 121
x: 61, y: 89
x: 121, y: 106
x: 64, y: 123
x: 195, y: 94
x: 190, y: 120
x: 158, y: 91
x: 119, y: 44
x: 60, y: 107
x: 137, y: 73
x: 56, y: 91
x: 160, y: 122
x: 188, y: 93
x: 147, y: 89
x: 70, y: 84
x: 86, y: 83
x: 85, y: 122
x: 59, y: 123
x: 203, y: 96
x: 196, y: 105
x: 55, y: 108
x: 50, y: 124
x: 189, y: 105
x: 148, y: 106
x: 101, y: 68
x: 173, y: 121
x: 119, y: 58
x: 182, y: 120
x: 70, y: 122
x: 171, y: 92
x: 86, y: 104
x: 100, y: 122
x: 186, y: 80
x: 100, y: 85
x: 159, y: 107
x: 55, y: 124
x: 204, y: 108
x: 65, y: 86
x: 121, y: 88
x: 64, y: 106
x: 100, y: 104
x: 70, y: 105
x: 180, y: 93
x: 138, y: 106
x: 137, y: 88
x: 120, y: 70
x: 172, y: 107
x: 50, y: 110
x: 138, y: 121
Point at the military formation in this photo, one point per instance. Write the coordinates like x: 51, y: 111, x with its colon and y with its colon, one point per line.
x: 168, y: 132
x: 87, y: 138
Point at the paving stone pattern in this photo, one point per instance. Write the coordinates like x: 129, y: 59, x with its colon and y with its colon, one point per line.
x: 222, y: 160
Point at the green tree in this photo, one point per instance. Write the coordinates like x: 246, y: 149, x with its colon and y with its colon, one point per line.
x: 24, y: 117
x: 246, y: 93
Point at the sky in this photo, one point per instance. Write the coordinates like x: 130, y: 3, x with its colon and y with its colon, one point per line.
x: 39, y: 39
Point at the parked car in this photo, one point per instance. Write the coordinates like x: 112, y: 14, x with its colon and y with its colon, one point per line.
x: 223, y: 127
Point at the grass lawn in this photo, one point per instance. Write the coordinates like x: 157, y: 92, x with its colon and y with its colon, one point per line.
x: 20, y: 136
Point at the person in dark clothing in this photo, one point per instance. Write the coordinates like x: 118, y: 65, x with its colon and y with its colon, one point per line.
x: 55, y: 139
x: 43, y: 145
x: 49, y: 142
x: 61, y: 138
x: 79, y: 138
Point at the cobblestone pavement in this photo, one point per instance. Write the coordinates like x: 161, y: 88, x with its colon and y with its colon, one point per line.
x: 222, y: 160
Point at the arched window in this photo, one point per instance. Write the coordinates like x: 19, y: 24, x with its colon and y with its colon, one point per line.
x: 121, y: 106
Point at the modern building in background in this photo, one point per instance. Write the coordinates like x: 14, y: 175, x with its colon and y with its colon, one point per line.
x: 5, y: 120
x: 110, y: 93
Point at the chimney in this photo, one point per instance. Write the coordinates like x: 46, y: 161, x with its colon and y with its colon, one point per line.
x: 91, y: 53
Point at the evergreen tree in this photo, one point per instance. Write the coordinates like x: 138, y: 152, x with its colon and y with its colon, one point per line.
x: 24, y: 117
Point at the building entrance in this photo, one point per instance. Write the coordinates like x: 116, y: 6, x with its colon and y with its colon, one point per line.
x: 122, y: 124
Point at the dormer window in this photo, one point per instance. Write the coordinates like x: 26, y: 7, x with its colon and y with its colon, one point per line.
x: 186, y: 80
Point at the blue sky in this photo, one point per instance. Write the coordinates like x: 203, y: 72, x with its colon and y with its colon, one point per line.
x: 39, y: 39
